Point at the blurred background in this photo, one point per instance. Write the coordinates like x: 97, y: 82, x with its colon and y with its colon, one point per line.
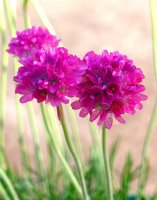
x: 85, y: 25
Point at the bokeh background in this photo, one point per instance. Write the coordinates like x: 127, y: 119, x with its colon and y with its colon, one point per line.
x: 85, y: 25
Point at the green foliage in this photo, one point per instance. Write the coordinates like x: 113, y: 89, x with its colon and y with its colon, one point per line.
x: 127, y: 176
x: 60, y: 186
x: 113, y: 153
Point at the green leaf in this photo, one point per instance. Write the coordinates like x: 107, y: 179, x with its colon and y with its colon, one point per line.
x: 145, y: 172
x: 126, y: 177
x: 113, y: 152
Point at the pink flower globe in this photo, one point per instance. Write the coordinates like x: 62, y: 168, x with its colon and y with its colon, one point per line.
x: 110, y: 88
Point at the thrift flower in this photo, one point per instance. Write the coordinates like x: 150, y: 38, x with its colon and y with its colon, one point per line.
x: 30, y: 39
x: 110, y: 88
x: 49, y: 75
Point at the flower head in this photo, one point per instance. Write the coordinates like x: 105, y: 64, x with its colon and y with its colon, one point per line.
x: 29, y: 39
x: 110, y: 87
x: 49, y: 75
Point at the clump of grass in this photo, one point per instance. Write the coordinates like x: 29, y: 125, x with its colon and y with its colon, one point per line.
x: 61, y: 187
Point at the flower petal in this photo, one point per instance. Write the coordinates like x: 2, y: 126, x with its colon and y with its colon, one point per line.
x: 76, y: 105
x: 26, y: 98
x: 108, y: 121
x: 95, y: 114
x: 83, y: 112
x: 120, y: 119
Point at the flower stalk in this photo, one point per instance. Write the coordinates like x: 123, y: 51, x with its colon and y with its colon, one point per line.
x: 34, y: 129
x: 152, y: 122
x: 10, y: 19
x: 9, y: 185
x: 58, y: 152
x: 74, y: 127
x: 3, y: 86
x: 42, y: 15
x: 96, y: 144
x: 4, y: 193
x: 25, y: 15
x: 145, y: 150
x: 107, y: 165
x: 153, y: 13
x: 36, y: 140
x: 73, y: 152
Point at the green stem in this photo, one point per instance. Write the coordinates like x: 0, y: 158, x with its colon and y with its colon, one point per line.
x: 59, y: 153
x: 8, y: 184
x: 147, y: 139
x: 38, y: 154
x: 3, y: 193
x: 31, y: 117
x: 3, y: 87
x: 20, y: 132
x: 107, y: 165
x: 153, y: 13
x: 33, y: 124
x: 10, y: 18
x: 153, y: 119
x: 54, y: 126
x: 27, y: 22
x: 75, y: 131
x: 42, y: 15
x: 73, y: 152
x: 36, y: 140
x: 96, y: 144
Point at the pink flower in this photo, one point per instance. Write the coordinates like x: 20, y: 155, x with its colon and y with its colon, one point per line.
x: 49, y: 75
x: 110, y: 87
x: 29, y: 39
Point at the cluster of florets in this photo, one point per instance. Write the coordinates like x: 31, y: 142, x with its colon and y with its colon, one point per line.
x: 48, y: 72
x: 110, y: 87
x: 106, y: 85
x: 31, y: 39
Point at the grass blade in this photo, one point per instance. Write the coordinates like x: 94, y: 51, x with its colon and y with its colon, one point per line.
x: 8, y: 185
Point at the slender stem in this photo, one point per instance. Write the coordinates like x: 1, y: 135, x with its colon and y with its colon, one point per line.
x: 37, y: 149
x: 54, y: 126
x: 96, y: 144
x: 107, y: 165
x: 31, y: 117
x: 42, y: 15
x: 21, y: 139
x: 59, y: 153
x: 36, y: 140
x: 10, y: 18
x: 153, y: 119
x: 8, y: 184
x: 34, y: 129
x: 3, y: 193
x: 74, y: 127
x: 30, y: 111
x: 73, y: 152
x: 27, y: 22
x: 153, y: 13
x: 147, y: 139
x: 3, y: 87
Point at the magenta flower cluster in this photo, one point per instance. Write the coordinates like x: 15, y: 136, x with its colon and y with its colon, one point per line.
x: 110, y: 87
x: 106, y: 85
x: 31, y: 39
x: 48, y: 72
